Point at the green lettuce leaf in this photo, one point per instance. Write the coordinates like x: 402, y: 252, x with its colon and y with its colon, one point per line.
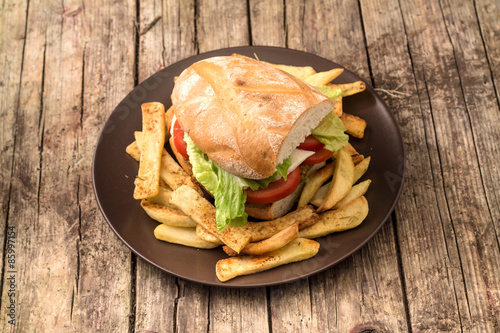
x: 331, y: 129
x: 329, y: 92
x: 331, y: 132
x: 228, y: 193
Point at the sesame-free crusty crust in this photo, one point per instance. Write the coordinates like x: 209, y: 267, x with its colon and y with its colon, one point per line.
x: 247, y: 116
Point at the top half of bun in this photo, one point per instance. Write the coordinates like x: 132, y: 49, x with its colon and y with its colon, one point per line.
x: 247, y: 116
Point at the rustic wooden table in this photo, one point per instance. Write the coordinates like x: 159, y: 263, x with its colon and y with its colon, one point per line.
x: 433, y: 267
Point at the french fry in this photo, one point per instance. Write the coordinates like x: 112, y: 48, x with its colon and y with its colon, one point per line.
x: 167, y: 215
x: 315, y: 181
x: 356, y: 191
x: 356, y: 157
x: 203, y: 233
x: 202, y: 211
x: 182, y: 236
x: 341, y: 182
x: 273, y: 243
x: 297, y: 250
x: 174, y: 175
x: 360, y: 168
x: 170, y: 171
x: 134, y: 151
x: 321, y: 193
x: 297, y: 71
x: 349, y: 89
x: 304, y: 216
x: 323, y: 78
x: 346, y: 217
x: 354, y: 125
x: 147, y: 183
x: 163, y: 197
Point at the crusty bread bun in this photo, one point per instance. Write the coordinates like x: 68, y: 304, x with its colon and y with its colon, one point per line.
x: 247, y: 116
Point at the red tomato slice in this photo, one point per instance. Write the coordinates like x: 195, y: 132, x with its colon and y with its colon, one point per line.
x: 275, y: 191
x: 311, y: 143
x: 179, y: 142
x: 319, y: 156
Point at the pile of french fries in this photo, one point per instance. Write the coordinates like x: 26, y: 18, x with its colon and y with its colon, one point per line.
x: 332, y: 199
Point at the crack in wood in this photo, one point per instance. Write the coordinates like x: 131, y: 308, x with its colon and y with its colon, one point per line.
x: 150, y: 25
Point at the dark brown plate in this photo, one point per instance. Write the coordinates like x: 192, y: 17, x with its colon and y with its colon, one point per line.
x: 114, y: 172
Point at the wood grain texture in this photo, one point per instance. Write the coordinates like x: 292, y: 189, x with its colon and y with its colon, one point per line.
x: 221, y: 24
x: 167, y: 34
x: 156, y: 299
x: 193, y: 307
x: 238, y: 310
x: 12, y: 37
x: 434, y: 266
x: 465, y: 201
x: 488, y: 16
x: 419, y: 222
x: 362, y: 293
x: 482, y: 263
x: 329, y: 28
x: 102, y: 296
x: 481, y: 100
x: 267, y: 22
x: 449, y: 262
x: 291, y: 308
x: 45, y: 230
x: 150, y: 25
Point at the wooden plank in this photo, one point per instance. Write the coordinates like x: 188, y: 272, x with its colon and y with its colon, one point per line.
x: 482, y: 110
x: 488, y: 16
x: 291, y: 307
x: 468, y: 232
x: 472, y: 224
x: 267, y: 22
x: 103, y: 283
x: 183, y: 29
x: 150, y: 29
x: 192, y: 307
x: 481, y: 97
x: 363, y: 293
x: 428, y: 274
x: 156, y: 297
x: 431, y: 276
x: 166, y: 35
x: 13, y: 29
x: 238, y: 310
x: 221, y: 24
x: 42, y: 205
x: 329, y: 29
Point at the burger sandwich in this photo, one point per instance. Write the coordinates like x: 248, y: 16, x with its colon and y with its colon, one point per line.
x: 250, y: 134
